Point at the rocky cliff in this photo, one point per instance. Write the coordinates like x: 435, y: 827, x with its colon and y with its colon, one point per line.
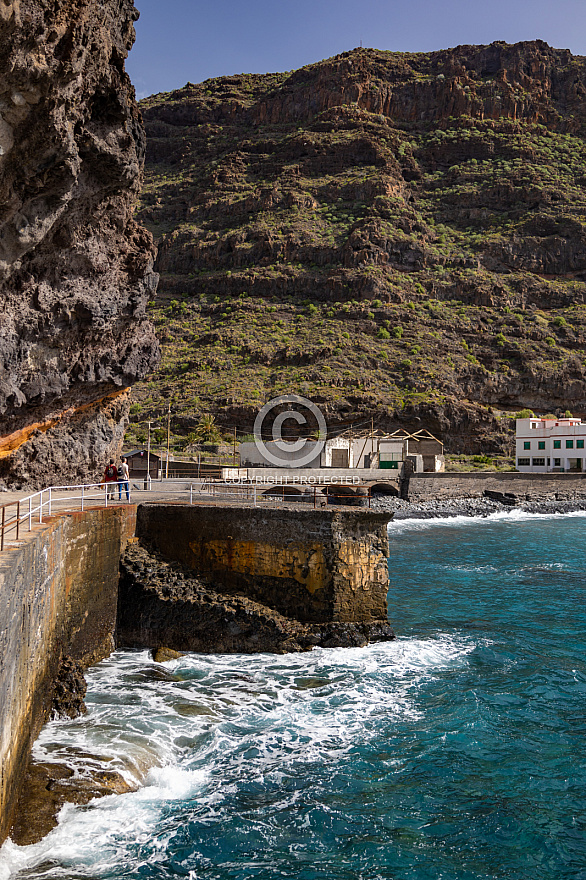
x: 162, y: 604
x: 398, y: 236
x: 76, y: 270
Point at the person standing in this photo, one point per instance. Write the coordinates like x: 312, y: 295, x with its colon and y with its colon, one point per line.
x: 110, y: 479
x: 123, y: 480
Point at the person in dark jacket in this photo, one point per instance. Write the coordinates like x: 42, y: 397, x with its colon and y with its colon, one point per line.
x: 111, y: 478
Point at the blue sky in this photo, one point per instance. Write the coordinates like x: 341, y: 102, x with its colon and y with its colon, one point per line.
x: 192, y: 40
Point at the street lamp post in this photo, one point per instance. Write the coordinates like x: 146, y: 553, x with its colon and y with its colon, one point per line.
x: 168, y: 441
x: 148, y: 470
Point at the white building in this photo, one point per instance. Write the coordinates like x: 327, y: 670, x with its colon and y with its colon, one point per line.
x: 374, y: 450
x: 550, y: 445
x: 339, y: 452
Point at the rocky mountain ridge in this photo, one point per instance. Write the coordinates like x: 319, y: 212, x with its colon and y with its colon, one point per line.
x: 396, y: 235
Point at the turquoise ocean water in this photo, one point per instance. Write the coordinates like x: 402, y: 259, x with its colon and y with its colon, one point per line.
x: 457, y: 752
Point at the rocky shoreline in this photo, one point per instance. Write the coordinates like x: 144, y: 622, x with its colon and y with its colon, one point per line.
x: 165, y: 605
x: 48, y: 786
x: 450, y: 507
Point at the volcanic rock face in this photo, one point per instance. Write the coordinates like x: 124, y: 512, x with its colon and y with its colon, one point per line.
x: 163, y: 604
x: 395, y: 235
x: 75, y: 268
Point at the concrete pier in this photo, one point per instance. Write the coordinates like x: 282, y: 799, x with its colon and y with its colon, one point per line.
x: 58, y: 599
x: 59, y: 590
x: 312, y: 565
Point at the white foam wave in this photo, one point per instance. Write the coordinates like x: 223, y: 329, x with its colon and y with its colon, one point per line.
x: 471, y: 569
x: 95, y: 838
x: 515, y: 515
x: 172, y: 783
x: 215, y: 722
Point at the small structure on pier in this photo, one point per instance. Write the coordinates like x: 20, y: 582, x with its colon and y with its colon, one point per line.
x: 137, y: 464
x: 370, y: 451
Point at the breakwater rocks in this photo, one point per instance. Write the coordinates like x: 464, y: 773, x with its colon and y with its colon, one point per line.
x: 164, y: 604
x: 481, y: 493
x: 443, y: 508
x: 510, y: 486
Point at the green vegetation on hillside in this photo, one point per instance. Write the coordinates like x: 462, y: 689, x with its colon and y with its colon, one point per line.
x: 393, y: 235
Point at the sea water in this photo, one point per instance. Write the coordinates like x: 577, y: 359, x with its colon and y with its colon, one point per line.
x: 456, y: 752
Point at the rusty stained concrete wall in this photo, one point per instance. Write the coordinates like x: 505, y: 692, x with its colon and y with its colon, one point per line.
x: 529, y: 487
x: 58, y: 597
x: 59, y: 590
x: 314, y: 566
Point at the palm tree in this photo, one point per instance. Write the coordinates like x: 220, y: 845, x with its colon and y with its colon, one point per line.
x: 207, y: 430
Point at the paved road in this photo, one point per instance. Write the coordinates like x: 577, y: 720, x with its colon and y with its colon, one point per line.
x: 65, y: 500
x: 172, y: 490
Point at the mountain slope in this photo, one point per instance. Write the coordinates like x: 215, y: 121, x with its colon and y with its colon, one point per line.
x: 394, y: 235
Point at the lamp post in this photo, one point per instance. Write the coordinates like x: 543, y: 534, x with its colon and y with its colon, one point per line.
x: 147, y: 481
x: 168, y: 441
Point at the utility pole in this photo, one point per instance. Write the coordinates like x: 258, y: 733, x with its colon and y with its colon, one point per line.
x: 168, y: 440
x: 234, y: 446
x: 147, y: 481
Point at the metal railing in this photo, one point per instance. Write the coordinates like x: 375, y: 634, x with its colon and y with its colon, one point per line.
x: 20, y: 515
x: 313, y: 495
x: 40, y: 504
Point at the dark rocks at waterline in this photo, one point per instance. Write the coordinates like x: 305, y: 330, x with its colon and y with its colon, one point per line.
x: 444, y: 508
x: 48, y: 786
x: 69, y: 690
x: 163, y: 604
x: 437, y: 508
x: 553, y: 506
x: 351, y: 635
x: 163, y: 655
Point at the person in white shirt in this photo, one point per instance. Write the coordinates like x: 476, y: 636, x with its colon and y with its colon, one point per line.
x: 123, y: 480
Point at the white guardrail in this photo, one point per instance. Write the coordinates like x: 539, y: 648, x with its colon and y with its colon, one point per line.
x: 40, y: 504
x: 20, y: 514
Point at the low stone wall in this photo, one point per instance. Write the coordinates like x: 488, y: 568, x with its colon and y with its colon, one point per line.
x: 311, y: 565
x: 59, y: 598
x: 527, y: 487
x: 304, y: 477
